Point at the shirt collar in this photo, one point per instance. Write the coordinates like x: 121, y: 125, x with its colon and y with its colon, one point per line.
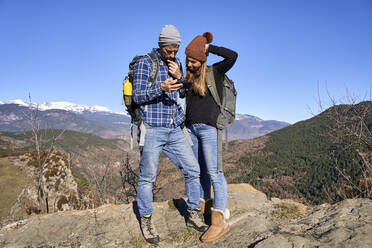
x: 156, y: 51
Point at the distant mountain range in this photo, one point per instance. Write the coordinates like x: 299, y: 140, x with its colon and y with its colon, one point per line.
x: 248, y: 126
x: 103, y: 122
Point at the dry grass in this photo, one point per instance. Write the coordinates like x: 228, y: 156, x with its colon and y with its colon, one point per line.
x: 187, y: 235
x: 137, y: 242
x: 12, y: 181
x: 287, y: 211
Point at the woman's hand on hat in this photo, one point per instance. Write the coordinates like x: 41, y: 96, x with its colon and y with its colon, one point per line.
x: 170, y: 85
x: 174, y: 70
x: 207, y: 49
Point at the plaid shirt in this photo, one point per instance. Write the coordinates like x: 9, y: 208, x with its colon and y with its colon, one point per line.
x: 159, y: 109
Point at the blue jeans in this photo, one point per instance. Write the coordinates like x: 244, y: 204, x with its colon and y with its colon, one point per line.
x: 204, y: 138
x: 173, y: 143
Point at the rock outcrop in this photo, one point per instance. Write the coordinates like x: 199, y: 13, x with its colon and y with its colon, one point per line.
x: 59, y: 187
x: 255, y: 222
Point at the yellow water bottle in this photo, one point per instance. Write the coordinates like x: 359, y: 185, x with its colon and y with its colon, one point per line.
x: 127, y: 91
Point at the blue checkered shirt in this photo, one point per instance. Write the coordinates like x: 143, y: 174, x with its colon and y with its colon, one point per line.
x: 159, y: 109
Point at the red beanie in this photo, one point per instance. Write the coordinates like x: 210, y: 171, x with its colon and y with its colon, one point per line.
x: 196, y: 48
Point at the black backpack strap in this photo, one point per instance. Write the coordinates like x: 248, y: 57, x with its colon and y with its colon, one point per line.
x: 155, y: 68
x: 213, y: 90
x: 131, y: 66
x: 219, y: 151
x: 212, y: 86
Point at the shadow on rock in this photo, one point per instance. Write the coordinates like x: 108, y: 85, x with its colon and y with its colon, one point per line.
x: 181, y: 205
x: 136, y: 211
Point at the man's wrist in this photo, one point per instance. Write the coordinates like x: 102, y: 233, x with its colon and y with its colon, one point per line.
x: 179, y: 77
x: 162, y: 86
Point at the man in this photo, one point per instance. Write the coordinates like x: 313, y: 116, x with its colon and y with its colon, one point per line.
x: 162, y: 116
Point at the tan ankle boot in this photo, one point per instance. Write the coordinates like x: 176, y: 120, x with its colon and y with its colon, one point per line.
x: 206, y: 207
x: 218, y: 227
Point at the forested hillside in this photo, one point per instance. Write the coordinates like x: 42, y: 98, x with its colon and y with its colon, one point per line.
x: 318, y: 160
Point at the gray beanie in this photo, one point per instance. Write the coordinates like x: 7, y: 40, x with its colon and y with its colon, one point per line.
x: 169, y: 35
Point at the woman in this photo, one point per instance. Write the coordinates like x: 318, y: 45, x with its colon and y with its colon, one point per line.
x: 201, y: 116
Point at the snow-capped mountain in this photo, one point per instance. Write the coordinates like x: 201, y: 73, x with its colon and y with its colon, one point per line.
x: 240, y: 117
x: 106, y: 123
x: 64, y: 115
x: 62, y: 106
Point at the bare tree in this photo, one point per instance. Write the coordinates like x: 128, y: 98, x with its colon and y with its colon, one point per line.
x: 351, y: 120
x: 44, y: 141
x: 351, y: 128
x: 129, y: 181
x: 102, y: 176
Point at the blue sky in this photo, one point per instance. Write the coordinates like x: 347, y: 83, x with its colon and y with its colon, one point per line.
x: 79, y: 50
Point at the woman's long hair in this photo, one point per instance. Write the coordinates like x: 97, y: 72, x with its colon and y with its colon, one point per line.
x: 198, y: 79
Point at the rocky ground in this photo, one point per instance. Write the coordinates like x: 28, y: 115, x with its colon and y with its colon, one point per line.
x: 255, y: 222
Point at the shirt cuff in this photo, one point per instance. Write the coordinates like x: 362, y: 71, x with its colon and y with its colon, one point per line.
x: 211, y: 48
x: 156, y: 90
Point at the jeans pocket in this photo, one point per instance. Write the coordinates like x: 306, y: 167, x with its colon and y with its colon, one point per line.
x: 147, y: 126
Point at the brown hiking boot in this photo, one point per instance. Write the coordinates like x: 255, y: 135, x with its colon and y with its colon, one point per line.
x: 148, y: 230
x: 207, y: 205
x: 196, y: 220
x: 218, y: 227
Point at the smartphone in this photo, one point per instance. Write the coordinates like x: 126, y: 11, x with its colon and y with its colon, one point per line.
x: 186, y: 84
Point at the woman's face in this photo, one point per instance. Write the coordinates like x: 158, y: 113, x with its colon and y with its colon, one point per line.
x: 193, y: 65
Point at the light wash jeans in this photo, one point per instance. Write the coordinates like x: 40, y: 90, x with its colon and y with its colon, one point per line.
x: 173, y: 143
x: 204, y: 138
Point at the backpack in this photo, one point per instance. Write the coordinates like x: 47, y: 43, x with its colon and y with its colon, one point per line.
x: 133, y: 108
x: 227, y: 109
x: 228, y: 104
